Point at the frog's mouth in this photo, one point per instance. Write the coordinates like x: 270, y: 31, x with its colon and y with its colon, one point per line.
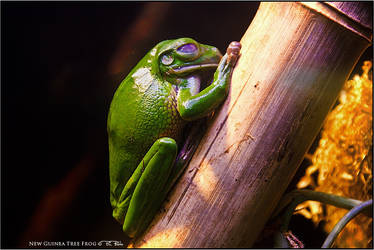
x: 192, y: 68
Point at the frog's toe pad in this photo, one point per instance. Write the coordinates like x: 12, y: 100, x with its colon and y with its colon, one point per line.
x: 167, y: 145
x: 233, y: 51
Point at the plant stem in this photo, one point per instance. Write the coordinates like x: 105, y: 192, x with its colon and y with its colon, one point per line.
x: 296, y: 197
x: 343, y: 221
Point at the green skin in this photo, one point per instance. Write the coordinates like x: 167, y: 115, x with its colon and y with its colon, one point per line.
x: 146, y: 119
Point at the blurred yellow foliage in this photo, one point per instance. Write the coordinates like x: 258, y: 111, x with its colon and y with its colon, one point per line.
x: 342, y: 163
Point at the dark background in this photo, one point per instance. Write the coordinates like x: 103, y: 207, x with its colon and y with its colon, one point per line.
x: 61, y: 63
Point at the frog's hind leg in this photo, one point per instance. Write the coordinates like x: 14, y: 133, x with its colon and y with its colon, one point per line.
x: 149, y: 183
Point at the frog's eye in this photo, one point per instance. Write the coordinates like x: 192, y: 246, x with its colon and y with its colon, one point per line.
x: 188, y: 48
x: 188, y: 51
x: 167, y: 59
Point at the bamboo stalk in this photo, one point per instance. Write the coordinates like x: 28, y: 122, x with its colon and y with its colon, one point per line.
x: 295, y: 59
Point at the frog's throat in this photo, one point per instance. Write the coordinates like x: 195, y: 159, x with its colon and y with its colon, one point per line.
x: 191, y: 68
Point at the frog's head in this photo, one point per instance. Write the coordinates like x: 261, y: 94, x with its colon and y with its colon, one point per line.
x: 185, y: 57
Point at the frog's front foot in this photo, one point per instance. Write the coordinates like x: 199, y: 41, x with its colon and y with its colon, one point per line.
x: 233, y: 51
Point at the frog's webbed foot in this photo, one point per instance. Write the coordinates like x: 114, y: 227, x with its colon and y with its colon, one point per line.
x: 229, y: 60
x: 192, y: 107
x: 146, y: 189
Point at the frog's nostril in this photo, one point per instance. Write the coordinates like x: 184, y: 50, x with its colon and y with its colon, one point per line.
x: 216, y: 50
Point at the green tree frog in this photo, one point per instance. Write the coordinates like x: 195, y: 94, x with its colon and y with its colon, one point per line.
x: 147, y: 115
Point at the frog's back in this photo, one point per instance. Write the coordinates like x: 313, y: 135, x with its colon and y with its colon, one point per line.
x: 143, y: 110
